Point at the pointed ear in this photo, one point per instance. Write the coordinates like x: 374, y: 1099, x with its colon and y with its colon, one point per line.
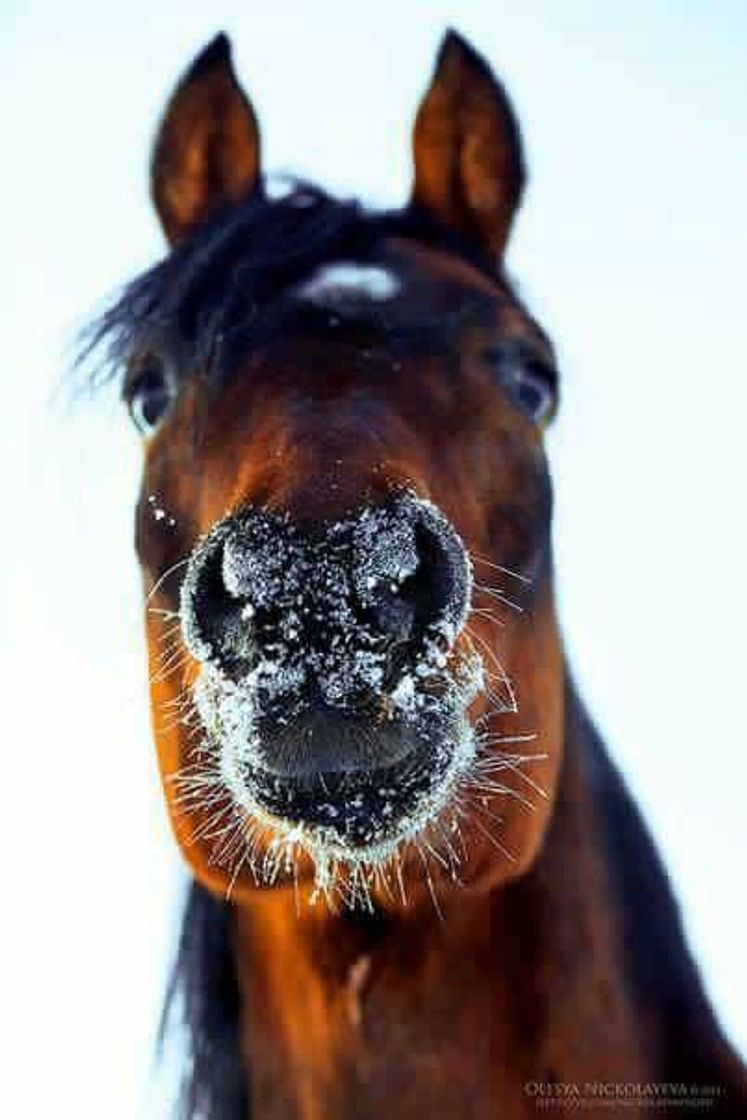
x: 469, y: 166
x: 207, y: 149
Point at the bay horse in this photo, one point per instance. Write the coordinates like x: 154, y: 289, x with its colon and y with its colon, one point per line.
x: 419, y: 886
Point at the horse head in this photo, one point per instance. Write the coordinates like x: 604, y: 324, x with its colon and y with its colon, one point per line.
x: 345, y: 512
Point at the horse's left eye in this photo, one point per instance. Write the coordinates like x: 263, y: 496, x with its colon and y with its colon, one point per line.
x: 531, y: 391
x: 149, y: 397
x: 529, y: 381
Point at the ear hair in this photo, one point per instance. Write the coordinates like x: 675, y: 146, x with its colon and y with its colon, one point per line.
x: 207, y: 151
x: 469, y: 164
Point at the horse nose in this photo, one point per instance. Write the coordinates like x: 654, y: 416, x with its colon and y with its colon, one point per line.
x: 261, y: 587
x: 237, y: 583
x: 410, y: 571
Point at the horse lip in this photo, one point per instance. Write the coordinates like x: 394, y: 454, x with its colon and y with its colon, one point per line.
x: 322, y: 740
x: 311, y: 791
x: 340, y: 781
x: 358, y: 804
x: 361, y: 807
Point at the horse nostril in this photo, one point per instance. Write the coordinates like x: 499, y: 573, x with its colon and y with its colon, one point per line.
x: 412, y: 571
x: 391, y: 612
x: 443, y: 580
x: 217, y: 622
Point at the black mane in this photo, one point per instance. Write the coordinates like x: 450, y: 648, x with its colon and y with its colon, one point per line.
x: 213, y: 296
x: 203, y: 997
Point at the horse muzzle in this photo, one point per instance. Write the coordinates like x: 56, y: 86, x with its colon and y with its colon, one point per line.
x: 331, y: 690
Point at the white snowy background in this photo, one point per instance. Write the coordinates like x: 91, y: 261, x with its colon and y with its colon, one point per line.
x: 631, y: 249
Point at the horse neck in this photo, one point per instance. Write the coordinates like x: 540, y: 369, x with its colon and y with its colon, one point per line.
x: 445, y: 1017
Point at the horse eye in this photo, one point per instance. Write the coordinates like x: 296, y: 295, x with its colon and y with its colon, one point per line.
x: 529, y: 382
x: 149, y: 397
x: 532, y: 392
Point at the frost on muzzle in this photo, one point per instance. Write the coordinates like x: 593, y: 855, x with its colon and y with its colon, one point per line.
x: 331, y: 692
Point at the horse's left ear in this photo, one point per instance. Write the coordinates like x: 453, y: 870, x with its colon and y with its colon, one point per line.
x: 207, y: 150
x: 469, y: 166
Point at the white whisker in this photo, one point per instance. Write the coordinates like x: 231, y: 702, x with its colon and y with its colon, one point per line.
x: 164, y: 576
x: 500, y: 568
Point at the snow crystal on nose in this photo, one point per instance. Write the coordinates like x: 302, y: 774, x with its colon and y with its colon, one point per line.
x: 334, y: 284
x: 296, y: 615
x: 258, y: 564
x: 386, y: 552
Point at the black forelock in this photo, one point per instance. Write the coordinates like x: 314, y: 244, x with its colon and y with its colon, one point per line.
x: 212, y: 297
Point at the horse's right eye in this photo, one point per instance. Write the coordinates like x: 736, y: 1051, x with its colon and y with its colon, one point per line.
x: 149, y: 397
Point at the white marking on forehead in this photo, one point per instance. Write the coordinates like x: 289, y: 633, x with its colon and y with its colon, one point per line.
x: 333, y: 284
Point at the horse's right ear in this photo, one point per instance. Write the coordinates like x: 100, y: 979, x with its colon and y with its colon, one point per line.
x: 207, y: 152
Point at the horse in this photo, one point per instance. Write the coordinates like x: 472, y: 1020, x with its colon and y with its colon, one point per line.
x: 419, y: 886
